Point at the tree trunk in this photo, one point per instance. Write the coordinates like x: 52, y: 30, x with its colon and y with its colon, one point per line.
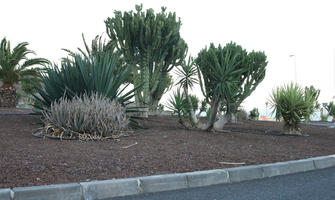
x: 153, y: 107
x: 193, y: 119
x: 8, y: 97
x: 214, y: 109
x: 232, y: 118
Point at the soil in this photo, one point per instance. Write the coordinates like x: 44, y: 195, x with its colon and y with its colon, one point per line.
x: 165, y: 147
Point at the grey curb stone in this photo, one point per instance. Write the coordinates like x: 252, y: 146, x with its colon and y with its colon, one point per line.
x: 110, y: 188
x: 163, y: 183
x: 70, y: 191
x: 132, y: 186
x: 324, y: 162
x: 206, y: 178
x: 245, y: 173
x: 5, y: 194
x: 283, y: 168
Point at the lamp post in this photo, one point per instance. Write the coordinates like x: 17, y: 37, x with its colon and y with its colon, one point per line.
x: 295, y: 67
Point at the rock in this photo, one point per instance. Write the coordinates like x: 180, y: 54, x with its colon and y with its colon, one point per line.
x: 219, y: 124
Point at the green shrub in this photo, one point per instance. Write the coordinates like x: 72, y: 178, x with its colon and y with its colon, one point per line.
x: 290, y: 103
x: 208, y: 112
x: 176, y: 104
x: 160, y: 107
x: 194, y: 102
x: 311, y: 92
x: 331, y: 109
x: 101, y: 74
x: 254, y: 114
x: 85, y: 117
x: 324, y: 118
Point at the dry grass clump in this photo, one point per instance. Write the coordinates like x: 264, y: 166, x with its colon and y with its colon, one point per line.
x: 85, y: 117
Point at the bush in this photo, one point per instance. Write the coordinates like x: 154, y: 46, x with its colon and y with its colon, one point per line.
x: 291, y: 103
x: 194, y: 102
x: 102, y: 74
x: 254, y: 114
x: 313, y: 93
x: 331, y: 109
x: 160, y: 107
x: 85, y: 117
x: 176, y: 104
x: 324, y: 118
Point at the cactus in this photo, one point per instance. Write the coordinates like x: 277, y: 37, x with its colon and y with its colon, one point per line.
x: 152, y: 45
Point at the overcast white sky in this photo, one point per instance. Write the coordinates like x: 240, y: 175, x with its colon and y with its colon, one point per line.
x: 280, y: 28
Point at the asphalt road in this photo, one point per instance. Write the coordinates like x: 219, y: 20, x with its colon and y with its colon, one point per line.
x: 318, y: 185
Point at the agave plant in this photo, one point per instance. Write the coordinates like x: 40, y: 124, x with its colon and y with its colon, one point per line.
x: 83, y: 75
x: 290, y: 103
x: 85, y: 117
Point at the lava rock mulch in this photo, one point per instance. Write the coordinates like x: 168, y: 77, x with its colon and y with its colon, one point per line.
x: 165, y: 147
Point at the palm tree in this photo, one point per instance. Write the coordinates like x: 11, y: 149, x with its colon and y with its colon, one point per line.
x: 15, y: 66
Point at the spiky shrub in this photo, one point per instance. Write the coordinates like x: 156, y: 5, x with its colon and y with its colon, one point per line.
x: 254, y: 114
x: 194, y: 102
x: 290, y: 103
x: 176, y: 104
x: 85, y: 117
x: 331, y: 109
x: 313, y: 93
x: 100, y: 74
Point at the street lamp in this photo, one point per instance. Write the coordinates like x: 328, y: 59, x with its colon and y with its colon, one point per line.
x: 295, y: 67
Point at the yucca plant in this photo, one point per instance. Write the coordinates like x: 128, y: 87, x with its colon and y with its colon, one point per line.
x: 290, y: 103
x: 176, y: 104
x: 82, y: 75
x: 85, y: 117
x: 187, y: 75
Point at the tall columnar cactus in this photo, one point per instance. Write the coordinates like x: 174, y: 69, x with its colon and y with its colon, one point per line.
x: 152, y: 45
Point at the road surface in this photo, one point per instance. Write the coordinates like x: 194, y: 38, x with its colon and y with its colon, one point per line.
x: 318, y: 185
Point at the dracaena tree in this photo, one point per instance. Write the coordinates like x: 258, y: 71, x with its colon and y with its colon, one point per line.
x: 253, y: 65
x: 219, y: 76
x: 151, y: 44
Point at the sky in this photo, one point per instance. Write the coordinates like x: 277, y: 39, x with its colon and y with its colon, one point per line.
x: 302, y: 28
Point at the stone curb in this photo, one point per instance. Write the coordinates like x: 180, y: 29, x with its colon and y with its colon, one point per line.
x: 158, y: 183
